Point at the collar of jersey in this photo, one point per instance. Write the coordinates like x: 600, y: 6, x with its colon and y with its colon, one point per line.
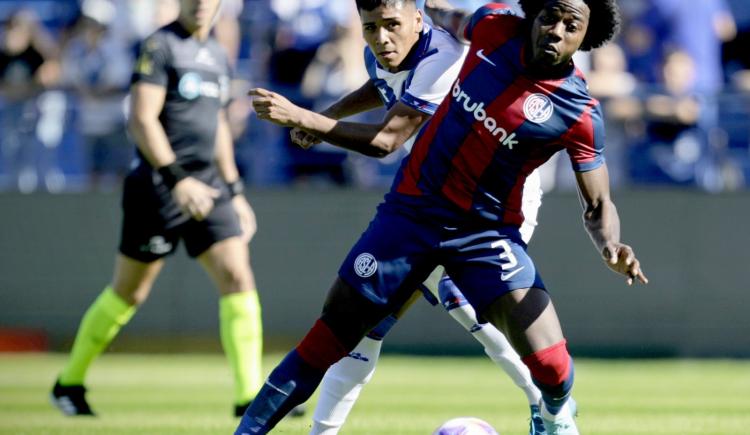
x: 179, y: 30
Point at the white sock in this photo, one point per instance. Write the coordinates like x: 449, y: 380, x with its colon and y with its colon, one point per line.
x: 341, y: 386
x: 497, y: 347
x: 561, y: 414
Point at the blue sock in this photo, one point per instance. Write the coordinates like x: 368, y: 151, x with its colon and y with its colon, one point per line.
x: 555, y: 397
x: 450, y: 296
x: 292, y: 382
x: 385, y: 325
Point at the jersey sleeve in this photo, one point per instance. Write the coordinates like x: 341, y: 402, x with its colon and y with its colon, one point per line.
x: 432, y: 80
x: 151, y: 66
x: 481, y: 24
x: 584, y: 141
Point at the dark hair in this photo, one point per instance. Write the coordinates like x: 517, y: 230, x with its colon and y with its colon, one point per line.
x: 368, y: 5
x: 604, y: 21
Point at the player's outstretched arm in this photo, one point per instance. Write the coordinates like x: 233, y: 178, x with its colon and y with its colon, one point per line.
x: 445, y: 15
x: 360, y: 100
x: 365, y: 98
x: 602, y: 222
x: 375, y: 140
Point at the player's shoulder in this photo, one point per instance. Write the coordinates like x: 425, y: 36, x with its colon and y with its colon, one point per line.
x: 441, y: 40
x: 436, y: 48
x: 497, y: 10
x: 575, y: 91
x: 578, y: 85
x: 161, y: 38
x: 503, y: 18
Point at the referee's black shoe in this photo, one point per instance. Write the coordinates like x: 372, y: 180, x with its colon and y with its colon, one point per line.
x: 71, y: 400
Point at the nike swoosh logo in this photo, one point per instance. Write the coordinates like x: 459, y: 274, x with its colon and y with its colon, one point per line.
x: 509, y: 275
x: 480, y: 54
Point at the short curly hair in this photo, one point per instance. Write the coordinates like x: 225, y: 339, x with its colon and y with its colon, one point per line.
x: 604, y: 22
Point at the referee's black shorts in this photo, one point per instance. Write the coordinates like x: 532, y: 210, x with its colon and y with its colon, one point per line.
x: 152, y: 224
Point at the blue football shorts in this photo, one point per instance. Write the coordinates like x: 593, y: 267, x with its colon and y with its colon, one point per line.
x: 401, y: 247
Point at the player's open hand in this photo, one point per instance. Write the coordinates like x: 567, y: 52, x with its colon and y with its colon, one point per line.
x: 302, y: 138
x: 621, y: 258
x: 274, y: 107
x: 248, y: 224
x: 195, y: 197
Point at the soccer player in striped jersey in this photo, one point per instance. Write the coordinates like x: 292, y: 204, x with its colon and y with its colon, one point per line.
x: 456, y: 201
x: 411, y: 68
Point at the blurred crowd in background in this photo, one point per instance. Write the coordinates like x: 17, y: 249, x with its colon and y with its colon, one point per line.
x: 675, y: 89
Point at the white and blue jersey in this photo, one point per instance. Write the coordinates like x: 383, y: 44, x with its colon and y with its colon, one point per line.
x: 426, y: 76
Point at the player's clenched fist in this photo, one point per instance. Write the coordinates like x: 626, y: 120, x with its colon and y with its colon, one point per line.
x: 274, y: 107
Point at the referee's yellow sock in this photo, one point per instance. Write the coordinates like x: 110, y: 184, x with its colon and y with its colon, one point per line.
x: 242, y: 339
x: 98, y: 328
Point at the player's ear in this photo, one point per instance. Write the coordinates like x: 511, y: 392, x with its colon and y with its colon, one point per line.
x: 419, y: 21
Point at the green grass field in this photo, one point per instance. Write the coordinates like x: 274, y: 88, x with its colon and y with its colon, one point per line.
x: 191, y: 394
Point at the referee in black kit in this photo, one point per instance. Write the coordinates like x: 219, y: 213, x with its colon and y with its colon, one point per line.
x: 184, y: 186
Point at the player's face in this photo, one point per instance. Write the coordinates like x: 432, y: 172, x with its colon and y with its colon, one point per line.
x: 198, y: 14
x: 391, y: 32
x: 558, y: 31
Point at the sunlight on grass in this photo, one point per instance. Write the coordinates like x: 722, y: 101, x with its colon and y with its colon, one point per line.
x: 191, y: 394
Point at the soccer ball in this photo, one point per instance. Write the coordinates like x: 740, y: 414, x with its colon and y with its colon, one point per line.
x: 465, y: 426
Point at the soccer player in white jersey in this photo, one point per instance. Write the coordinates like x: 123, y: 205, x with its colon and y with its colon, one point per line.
x: 411, y: 66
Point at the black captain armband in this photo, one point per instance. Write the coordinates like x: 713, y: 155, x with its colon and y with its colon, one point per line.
x: 171, y: 174
x: 236, y: 187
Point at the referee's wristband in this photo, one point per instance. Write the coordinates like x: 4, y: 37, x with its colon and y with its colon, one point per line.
x: 171, y: 174
x: 236, y: 187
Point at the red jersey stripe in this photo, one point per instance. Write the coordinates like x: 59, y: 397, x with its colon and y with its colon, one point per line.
x: 475, y: 154
x: 410, y: 180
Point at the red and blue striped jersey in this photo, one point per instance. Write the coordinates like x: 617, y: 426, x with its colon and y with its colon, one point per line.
x: 498, y: 124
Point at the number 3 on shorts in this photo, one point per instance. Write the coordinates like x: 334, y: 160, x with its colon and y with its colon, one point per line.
x: 507, y: 259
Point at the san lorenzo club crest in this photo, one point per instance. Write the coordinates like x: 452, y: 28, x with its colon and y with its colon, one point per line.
x: 365, y: 265
x: 538, y: 108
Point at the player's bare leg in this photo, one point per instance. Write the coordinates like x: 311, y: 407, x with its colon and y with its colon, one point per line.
x: 131, y: 285
x: 346, y: 317
x: 496, y: 346
x: 529, y: 320
x: 343, y: 382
